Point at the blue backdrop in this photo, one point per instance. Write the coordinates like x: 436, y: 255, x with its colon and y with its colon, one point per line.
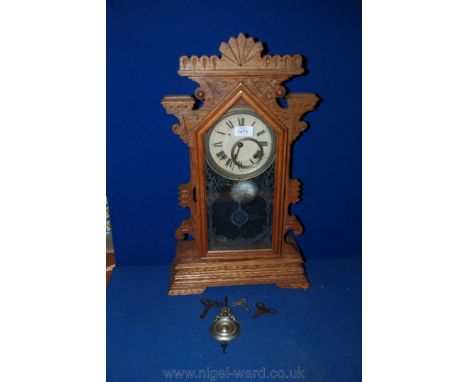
x: 146, y: 162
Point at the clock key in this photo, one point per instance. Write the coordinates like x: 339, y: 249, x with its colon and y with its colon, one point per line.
x: 208, y: 305
x: 242, y: 303
x: 263, y: 309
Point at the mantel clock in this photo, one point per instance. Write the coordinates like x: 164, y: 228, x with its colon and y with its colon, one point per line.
x: 239, y: 192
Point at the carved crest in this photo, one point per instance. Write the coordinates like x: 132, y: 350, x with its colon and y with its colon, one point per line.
x: 241, y: 54
x: 240, y: 62
x: 241, y: 50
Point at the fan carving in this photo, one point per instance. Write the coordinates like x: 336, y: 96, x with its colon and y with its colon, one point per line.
x: 241, y: 50
x: 240, y: 54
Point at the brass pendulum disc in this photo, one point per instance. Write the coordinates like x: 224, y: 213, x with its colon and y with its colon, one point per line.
x: 225, y: 327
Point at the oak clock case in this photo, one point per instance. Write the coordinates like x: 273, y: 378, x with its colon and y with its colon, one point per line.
x: 240, y: 229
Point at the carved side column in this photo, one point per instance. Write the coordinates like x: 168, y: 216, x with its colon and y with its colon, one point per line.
x: 298, y: 105
x: 182, y: 108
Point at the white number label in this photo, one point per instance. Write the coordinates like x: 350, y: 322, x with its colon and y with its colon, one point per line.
x: 243, y: 131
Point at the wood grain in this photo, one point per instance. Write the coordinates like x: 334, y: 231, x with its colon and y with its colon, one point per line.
x: 240, y: 77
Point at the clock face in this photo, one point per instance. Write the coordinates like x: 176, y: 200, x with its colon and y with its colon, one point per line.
x: 240, y: 145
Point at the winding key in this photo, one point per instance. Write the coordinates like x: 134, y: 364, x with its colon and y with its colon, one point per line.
x: 208, y: 305
x: 263, y: 309
x: 242, y: 303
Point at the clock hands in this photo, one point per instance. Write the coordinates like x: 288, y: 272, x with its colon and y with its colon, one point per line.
x: 234, y: 153
x: 239, y: 145
x: 236, y: 149
x: 259, y: 153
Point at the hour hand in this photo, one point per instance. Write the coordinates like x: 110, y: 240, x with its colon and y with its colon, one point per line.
x: 239, y: 145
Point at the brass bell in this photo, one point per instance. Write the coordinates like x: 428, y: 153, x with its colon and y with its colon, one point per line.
x: 225, y: 327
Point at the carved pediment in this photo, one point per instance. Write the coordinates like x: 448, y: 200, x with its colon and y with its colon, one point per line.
x: 239, y: 55
x: 240, y: 62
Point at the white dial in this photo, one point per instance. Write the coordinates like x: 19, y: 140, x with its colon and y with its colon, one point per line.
x: 240, y: 145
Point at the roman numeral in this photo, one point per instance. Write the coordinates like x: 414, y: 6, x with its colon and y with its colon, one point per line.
x: 241, y: 121
x: 221, y: 155
x: 253, y: 123
x: 219, y: 132
x: 263, y: 143
x: 260, y: 133
x: 230, y: 124
x: 230, y: 163
x: 218, y: 144
x: 251, y: 161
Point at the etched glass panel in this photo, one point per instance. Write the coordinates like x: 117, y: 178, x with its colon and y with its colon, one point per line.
x: 239, y: 211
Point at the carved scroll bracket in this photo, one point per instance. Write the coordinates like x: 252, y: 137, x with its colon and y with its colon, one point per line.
x: 294, y: 191
x: 184, y: 229
x: 293, y: 225
x: 181, y: 106
x: 298, y: 105
x: 293, y: 197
